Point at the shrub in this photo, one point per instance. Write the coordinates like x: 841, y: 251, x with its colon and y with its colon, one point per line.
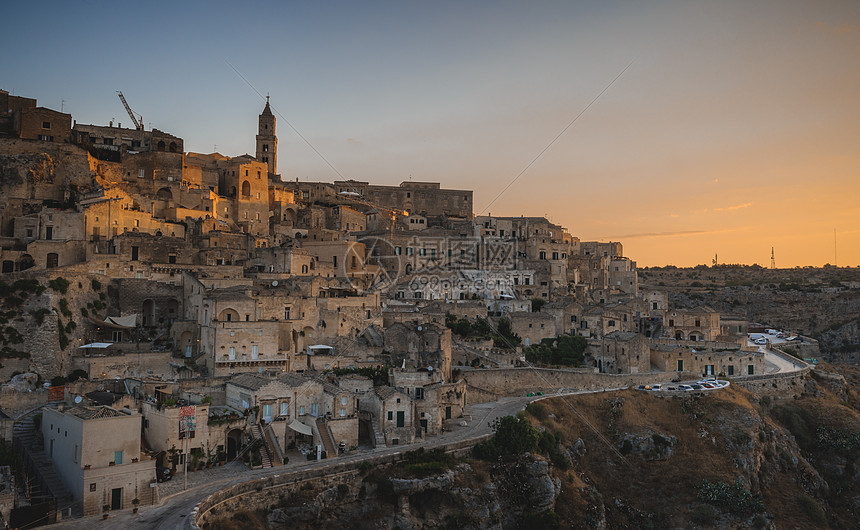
x: 64, y: 308
x: 40, y: 314
x: 734, y: 497
x: 59, y: 284
x: 96, y: 285
x: 537, y: 410
x: 513, y: 436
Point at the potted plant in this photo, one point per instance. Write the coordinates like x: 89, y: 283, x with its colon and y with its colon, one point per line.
x: 105, y: 510
x: 135, y: 501
x: 86, y: 466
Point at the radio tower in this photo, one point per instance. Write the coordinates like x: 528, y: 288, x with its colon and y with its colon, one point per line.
x: 772, y: 261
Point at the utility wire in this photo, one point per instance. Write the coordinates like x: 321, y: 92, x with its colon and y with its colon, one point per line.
x: 569, y: 125
x: 300, y: 135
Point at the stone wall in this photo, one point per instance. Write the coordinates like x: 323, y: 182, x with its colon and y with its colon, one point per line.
x: 264, y: 492
x: 488, y: 384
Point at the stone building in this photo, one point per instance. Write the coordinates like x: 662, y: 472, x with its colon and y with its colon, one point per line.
x: 722, y: 359
x: 420, y: 346
x: 392, y: 413
x: 622, y: 352
x: 533, y: 327
x: 96, y: 453
x: 214, y: 434
x: 697, y: 324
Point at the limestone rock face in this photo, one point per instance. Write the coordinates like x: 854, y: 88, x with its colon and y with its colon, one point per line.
x: 650, y: 446
x: 544, y: 487
x: 22, y: 382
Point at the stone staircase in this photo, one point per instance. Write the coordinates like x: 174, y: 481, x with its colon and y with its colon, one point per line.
x: 273, y: 445
x: 45, y: 483
x: 325, y: 435
x: 378, y: 437
x: 265, y: 455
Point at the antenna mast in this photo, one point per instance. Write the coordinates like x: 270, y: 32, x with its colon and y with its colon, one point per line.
x: 772, y: 260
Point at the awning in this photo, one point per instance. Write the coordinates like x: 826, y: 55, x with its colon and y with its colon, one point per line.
x: 313, y: 349
x: 97, y: 345
x: 127, y: 322
x: 301, y: 428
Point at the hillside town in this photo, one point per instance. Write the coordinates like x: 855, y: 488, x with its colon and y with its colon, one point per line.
x: 203, y: 310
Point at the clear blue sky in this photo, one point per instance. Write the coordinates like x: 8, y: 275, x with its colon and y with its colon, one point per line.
x: 735, y: 130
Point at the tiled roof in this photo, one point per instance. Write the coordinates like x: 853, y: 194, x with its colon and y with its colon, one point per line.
x: 93, y: 413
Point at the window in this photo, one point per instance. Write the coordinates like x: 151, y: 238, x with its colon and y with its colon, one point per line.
x: 342, y: 413
x: 171, y: 258
x: 343, y: 400
x: 232, y: 353
x: 654, y: 306
x: 680, y: 365
x: 315, y: 409
x: 731, y: 369
x: 750, y: 370
x: 302, y: 410
x: 46, y: 125
x: 285, y: 409
x: 254, y: 352
x: 419, y: 392
x: 117, y: 457
x: 390, y: 415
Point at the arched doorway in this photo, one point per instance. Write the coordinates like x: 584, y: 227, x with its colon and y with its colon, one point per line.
x: 25, y: 262
x: 172, y: 309
x: 148, y: 313
x: 185, y: 343
x: 164, y: 194
x: 234, y: 443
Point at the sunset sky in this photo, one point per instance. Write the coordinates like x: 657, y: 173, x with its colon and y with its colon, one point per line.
x: 735, y: 129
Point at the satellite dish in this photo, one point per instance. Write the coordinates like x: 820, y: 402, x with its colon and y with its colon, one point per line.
x: 78, y: 400
x: 101, y: 388
x: 275, y: 283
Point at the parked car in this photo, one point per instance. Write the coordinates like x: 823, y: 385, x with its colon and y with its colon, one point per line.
x: 163, y: 474
x: 760, y: 340
x: 685, y: 387
x: 696, y: 386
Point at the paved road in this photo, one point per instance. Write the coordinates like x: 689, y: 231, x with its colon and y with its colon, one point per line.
x: 173, y: 512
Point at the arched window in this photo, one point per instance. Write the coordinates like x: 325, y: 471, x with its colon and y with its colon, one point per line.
x: 246, y: 189
x: 161, y: 145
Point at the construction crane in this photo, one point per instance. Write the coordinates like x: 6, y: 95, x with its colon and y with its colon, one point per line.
x: 138, y: 123
x: 393, y: 213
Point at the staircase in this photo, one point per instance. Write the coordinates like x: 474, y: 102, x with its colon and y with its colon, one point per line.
x: 378, y: 437
x: 265, y: 456
x: 325, y: 435
x: 46, y: 483
x: 273, y: 445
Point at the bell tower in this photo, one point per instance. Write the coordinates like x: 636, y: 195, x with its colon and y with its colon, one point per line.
x: 267, y: 142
